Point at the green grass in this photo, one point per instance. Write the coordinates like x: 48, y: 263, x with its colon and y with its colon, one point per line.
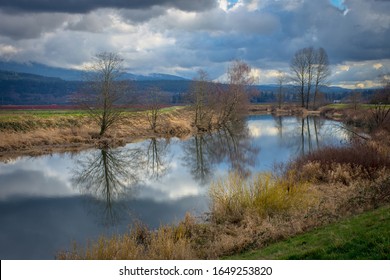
x: 14, y: 115
x: 349, y: 105
x: 22, y: 114
x: 337, y: 106
x: 366, y: 236
x: 171, y: 109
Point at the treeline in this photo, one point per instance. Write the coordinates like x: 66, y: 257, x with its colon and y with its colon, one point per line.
x: 29, y: 89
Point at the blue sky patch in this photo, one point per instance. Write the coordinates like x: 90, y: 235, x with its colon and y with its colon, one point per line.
x: 339, y: 4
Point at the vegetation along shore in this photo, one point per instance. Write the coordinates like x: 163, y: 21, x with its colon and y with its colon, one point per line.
x: 320, y: 188
x: 33, y: 132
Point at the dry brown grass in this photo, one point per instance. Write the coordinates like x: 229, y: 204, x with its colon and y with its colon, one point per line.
x: 246, y: 215
x: 21, y: 136
x: 168, y: 242
x: 233, y: 197
x: 361, y: 160
x: 317, y: 189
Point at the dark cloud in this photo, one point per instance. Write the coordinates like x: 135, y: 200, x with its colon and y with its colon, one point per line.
x: 360, y: 34
x: 142, y: 15
x: 239, y: 21
x: 154, y: 38
x: 84, y: 6
x: 30, y: 25
x: 92, y: 22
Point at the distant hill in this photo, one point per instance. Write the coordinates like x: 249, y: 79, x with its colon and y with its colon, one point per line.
x: 24, y: 88
x: 42, y: 70
x: 30, y: 89
x: 58, y: 86
x: 152, y: 77
x: 15, y: 76
x: 74, y: 75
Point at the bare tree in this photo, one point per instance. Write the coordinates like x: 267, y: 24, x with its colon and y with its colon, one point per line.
x: 355, y: 98
x: 310, y: 64
x: 153, y: 112
x: 281, y: 80
x: 298, y: 67
x: 322, y: 71
x: 310, y: 68
x: 380, y: 113
x: 234, y: 97
x: 107, y: 89
x: 200, y: 98
x: 382, y: 95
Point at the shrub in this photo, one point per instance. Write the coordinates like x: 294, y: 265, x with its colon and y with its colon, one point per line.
x: 267, y: 196
x: 342, y: 164
x: 167, y: 242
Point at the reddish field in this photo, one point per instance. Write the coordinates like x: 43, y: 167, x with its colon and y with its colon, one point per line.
x: 67, y: 107
x: 39, y: 107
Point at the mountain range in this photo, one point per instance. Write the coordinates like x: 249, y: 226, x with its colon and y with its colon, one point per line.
x: 73, y: 74
x: 35, y: 83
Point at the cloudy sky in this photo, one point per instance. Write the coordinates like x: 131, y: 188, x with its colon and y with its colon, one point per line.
x: 182, y: 36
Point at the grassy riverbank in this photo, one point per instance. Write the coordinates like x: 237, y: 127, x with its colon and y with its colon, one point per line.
x: 32, y: 132
x: 319, y: 189
x: 365, y: 236
x: 41, y: 131
x: 322, y: 188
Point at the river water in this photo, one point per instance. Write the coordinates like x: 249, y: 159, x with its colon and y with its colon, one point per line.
x: 48, y: 202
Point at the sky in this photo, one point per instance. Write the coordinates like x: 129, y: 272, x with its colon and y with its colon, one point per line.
x: 181, y: 37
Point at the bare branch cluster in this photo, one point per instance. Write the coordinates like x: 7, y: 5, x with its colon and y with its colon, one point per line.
x: 310, y: 70
x: 221, y: 103
x: 153, y: 104
x: 281, y: 80
x: 106, y: 90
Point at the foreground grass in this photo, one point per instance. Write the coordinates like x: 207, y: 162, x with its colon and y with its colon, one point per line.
x: 366, y: 236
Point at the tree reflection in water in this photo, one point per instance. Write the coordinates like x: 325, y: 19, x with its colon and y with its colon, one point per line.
x: 305, y: 136
x: 197, y: 157
x: 157, y: 162
x: 107, y: 177
x: 230, y: 144
x: 310, y: 127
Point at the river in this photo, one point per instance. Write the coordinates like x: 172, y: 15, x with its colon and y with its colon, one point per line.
x: 50, y: 201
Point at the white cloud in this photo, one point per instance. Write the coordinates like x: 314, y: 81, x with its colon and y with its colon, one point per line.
x: 7, y: 51
x: 363, y: 74
x: 258, y: 130
x: 180, y: 39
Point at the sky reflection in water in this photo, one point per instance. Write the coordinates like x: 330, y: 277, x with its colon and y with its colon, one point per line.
x: 49, y: 201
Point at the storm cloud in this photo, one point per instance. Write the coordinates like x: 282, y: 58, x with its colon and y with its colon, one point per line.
x: 30, y: 25
x: 181, y: 37
x: 85, y: 6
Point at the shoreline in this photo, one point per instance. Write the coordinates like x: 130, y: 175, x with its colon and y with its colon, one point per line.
x: 49, y: 137
x: 61, y: 134
x: 324, y: 191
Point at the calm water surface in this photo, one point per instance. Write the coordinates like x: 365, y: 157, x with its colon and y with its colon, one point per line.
x: 48, y: 202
